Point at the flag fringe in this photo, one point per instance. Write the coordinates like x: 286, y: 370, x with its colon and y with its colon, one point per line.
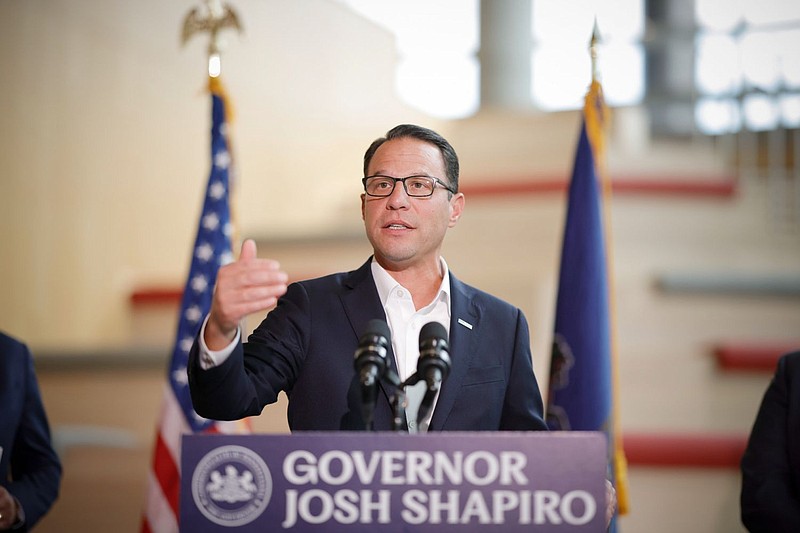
x: 597, y: 117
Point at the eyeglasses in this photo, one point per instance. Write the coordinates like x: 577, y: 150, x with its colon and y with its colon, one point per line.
x: 415, y: 186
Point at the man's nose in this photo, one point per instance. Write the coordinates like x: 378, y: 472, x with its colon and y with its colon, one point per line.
x: 399, y: 197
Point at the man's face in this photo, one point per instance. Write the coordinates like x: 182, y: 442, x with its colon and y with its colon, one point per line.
x: 407, y: 231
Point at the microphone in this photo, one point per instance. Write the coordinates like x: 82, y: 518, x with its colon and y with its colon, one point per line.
x: 433, y: 364
x: 371, y: 364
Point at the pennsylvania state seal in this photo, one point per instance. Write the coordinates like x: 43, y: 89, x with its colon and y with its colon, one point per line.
x: 231, y: 485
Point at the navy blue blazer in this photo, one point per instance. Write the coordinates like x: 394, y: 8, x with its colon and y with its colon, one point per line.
x: 29, y: 469
x: 305, y: 347
x: 770, y: 498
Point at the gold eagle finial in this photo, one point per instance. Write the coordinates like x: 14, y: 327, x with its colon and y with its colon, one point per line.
x: 211, y: 18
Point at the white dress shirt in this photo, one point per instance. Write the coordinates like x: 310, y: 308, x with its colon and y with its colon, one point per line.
x: 405, y: 323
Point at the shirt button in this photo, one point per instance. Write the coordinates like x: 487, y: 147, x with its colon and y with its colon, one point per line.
x: 412, y: 425
x: 400, y: 293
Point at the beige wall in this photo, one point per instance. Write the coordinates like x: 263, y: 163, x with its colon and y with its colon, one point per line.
x: 104, y: 143
x: 104, y: 148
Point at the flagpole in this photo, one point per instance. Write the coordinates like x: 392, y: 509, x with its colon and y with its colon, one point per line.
x: 597, y: 116
x: 593, y: 42
x: 212, y: 18
x: 595, y: 110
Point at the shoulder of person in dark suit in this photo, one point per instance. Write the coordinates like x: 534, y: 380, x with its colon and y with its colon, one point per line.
x: 770, y: 501
x: 30, y: 470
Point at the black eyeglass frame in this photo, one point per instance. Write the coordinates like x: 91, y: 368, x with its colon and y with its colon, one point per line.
x: 436, y: 181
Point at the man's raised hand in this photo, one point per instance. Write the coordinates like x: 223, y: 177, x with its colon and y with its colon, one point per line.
x: 245, y: 286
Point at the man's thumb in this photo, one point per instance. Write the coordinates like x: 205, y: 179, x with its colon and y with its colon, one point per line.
x: 248, y: 250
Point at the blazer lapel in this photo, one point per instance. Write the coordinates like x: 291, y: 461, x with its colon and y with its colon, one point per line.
x: 464, y: 321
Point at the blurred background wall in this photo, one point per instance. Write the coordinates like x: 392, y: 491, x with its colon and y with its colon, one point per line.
x: 104, y: 153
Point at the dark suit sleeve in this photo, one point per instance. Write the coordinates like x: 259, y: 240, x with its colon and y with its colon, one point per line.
x: 35, y: 467
x: 258, y: 370
x: 769, y: 498
x: 522, y: 407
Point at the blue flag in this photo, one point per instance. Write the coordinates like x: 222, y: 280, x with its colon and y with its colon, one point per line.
x: 581, y: 395
x: 580, y: 372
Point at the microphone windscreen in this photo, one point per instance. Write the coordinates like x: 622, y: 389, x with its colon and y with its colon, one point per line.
x: 377, y: 327
x: 432, y: 330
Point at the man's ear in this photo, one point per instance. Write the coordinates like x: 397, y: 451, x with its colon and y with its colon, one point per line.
x: 363, y: 200
x: 456, y: 208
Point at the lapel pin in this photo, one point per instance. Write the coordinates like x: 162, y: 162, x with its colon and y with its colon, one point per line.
x: 465, y: 324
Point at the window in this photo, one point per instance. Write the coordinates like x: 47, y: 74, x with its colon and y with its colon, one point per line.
x: 561, y: 64
x: 437, y: 42
x: 747, y: 68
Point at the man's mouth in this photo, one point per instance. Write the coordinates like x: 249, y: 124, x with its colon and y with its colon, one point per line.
x: 397, y: 225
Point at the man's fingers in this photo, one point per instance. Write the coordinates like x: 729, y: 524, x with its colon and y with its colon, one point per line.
x: 262, y: 292
x: 248, y: 250
x: 267, y: 273
x: 264, y: 296
x: 255, y: 306
x: 236, y: 280
x: 242, y: 274
x: 246, y: 286
x: 257, y: 283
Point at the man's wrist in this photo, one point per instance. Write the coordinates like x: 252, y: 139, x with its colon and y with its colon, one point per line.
x: 216, y: 339
x: 209, y: 358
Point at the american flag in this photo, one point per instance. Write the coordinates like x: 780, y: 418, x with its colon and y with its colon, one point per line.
x: 212, y: 248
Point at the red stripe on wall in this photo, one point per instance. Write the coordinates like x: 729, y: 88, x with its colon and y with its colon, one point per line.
x: 717, y: 186
x: 684, y: 450
x: 750, y: 357
x: 150, y: 296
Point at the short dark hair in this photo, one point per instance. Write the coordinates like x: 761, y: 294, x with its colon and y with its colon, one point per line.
x: 423, y: 134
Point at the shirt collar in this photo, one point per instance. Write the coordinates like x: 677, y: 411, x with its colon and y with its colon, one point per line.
x: 385, y: 283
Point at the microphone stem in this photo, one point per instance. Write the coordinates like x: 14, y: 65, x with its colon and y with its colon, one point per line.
x: 398, y: 401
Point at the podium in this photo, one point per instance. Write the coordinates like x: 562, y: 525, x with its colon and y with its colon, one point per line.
x: 393, y: 482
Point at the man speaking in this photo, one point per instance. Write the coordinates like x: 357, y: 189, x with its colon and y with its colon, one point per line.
x: 305, y: 346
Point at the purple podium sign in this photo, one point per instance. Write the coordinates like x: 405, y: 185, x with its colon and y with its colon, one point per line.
x: 508, y: 481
